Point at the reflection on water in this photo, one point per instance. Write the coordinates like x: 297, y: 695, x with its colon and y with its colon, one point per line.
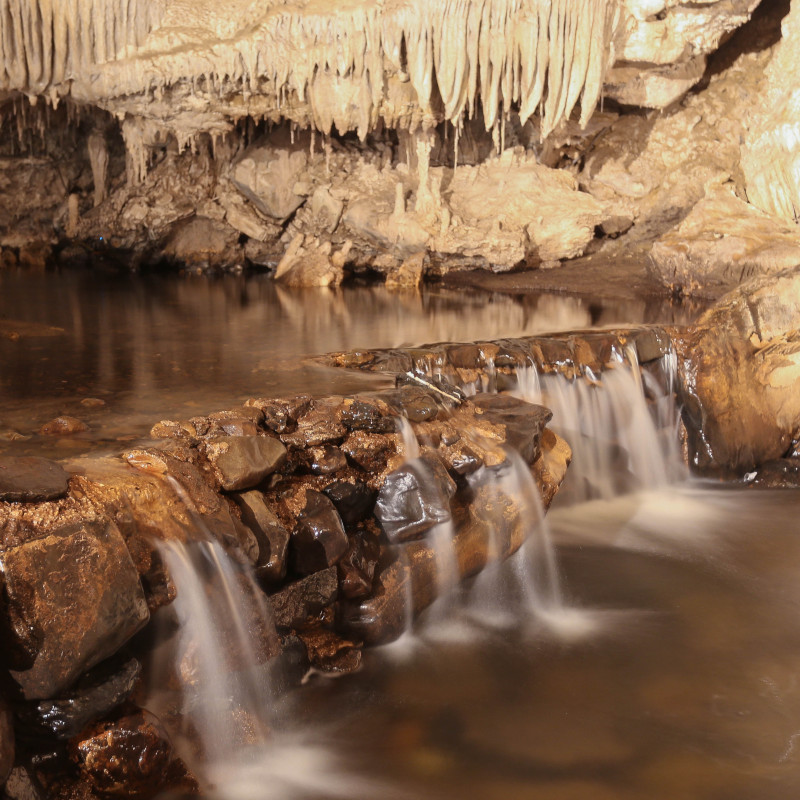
x: 689, y: 686
x: 160, y: 346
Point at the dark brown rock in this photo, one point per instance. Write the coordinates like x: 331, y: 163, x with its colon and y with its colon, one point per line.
x: 321, y: 424
x: 6, y: 741
x: 302, y: 600
x: 326, y: 459
x: 369, y: 452
x: 363, y: 416
x: 357, y: 568
x: 523, y: 421
x: 354, y: 501
x: 73, y: 599
x: 271, y: 535
x: 414, y: 498
x: 244, y: 461
x: 31, y: 479
x: 417, y: 404
x: 318, y: 539
x: 329, y: 652
x: 63, y: 426
x: 130, y: 757
x: 97, y: 693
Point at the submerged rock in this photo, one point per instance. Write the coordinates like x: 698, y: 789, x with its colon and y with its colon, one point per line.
x: 31, y: 479
x: 73, y: 599
x: 63, y: 426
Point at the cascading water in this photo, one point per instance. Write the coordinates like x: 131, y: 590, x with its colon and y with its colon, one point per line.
x: 622, y: 426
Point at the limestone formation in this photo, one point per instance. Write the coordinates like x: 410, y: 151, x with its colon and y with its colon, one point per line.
x: 771, y: 155
x: 741, y: 376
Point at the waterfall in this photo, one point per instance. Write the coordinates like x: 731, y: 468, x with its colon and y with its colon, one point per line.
x: 218, y: 658
x: 622, y: 426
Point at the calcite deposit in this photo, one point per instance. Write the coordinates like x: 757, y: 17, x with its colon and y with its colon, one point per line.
x: 320, y: 139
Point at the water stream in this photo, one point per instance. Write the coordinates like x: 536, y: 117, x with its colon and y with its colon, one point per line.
x: 679, y: 675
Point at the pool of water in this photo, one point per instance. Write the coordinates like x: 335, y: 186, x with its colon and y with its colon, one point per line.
x: 682, y: 682
x: 165, y: 346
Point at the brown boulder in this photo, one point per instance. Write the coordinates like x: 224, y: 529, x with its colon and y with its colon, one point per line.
x: 73, y: 599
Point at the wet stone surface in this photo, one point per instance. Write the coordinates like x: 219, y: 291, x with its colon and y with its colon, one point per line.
x: 302, y: 600
x: 31, y: 479
x: 354, y: 501
x: 130, y: 757
x: 73, y: 598
x: 318, y: 539
x: 97, y: 693
x: 244, y: 461
x: 523, y: 422
x: 414, y: 498
x: 271, y: 535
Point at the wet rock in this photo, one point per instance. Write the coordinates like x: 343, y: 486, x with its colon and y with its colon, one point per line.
x: 298, y: 602
x: 370, y: 452
x: 318, y: 539
x: 357, y: 567
x: 782, y: 473
x: 63, y: 426
x: 272, y: 537
x: 97, y: 693
x: 93, y: 402
x: 523, y: 422
x: 414, y: 498
x: 321, y: 424
x: 363, y: 416
x: 244, y: 461
x: 6, y: 741
x: 353, y: 501
x: 409, y: 274
x: 417, y: 404
x: 280, y: 415
x: 312, y: 266
x: 237, y: 427
x: 327, y: 459
x: 31, y: 479
x: 130, y: 757
x: 329, y: 652
x: 73, y: 598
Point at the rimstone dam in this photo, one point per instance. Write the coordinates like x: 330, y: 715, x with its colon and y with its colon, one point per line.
x: 399, y: 398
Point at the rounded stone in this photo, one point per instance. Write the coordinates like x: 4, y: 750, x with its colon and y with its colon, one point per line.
x: 31, y: 479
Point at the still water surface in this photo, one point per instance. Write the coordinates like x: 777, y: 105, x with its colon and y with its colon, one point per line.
x: 160, y: 346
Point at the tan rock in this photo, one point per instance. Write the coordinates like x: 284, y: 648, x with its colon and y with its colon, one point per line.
x: 741, y: 376
x: 722, y: 243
